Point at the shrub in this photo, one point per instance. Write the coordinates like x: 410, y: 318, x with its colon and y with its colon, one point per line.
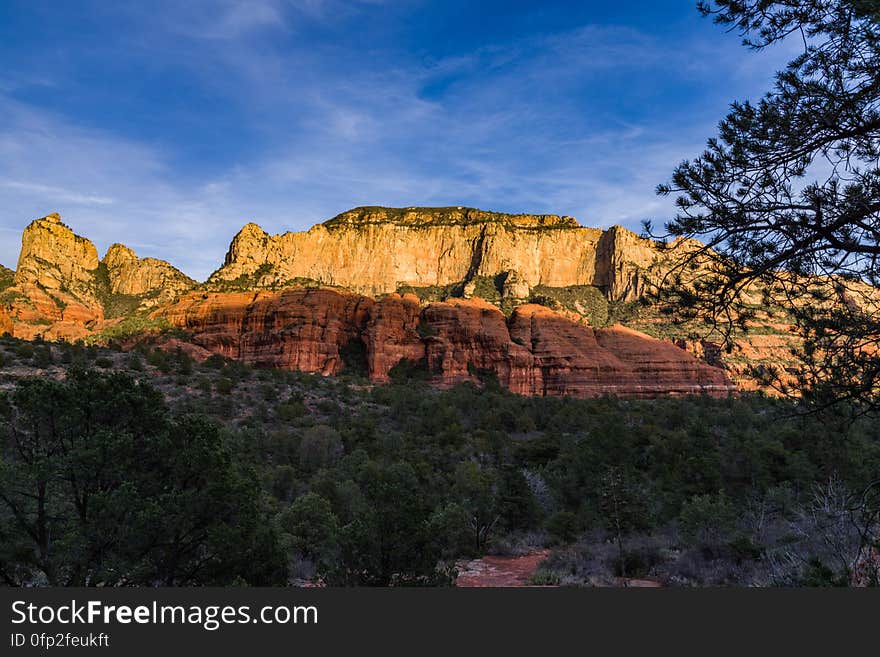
x: 43, y: 356
x: 354, y: 357
x: 636, y: 563
x: 225, y: 386
x: 215, y: 361
x: 319, y: 447
x: 183, y: 361
x: 818, y: 574
x: 291, y: 410
x: 407, y: 370
x: 135, y: 363
x: 283, y: 482
x: 235, y: 370
x: 543, y: 577
x: 449, y: 526
x: 311, y: 527
x: 268, y: 392
x: 707, y: 520
x: 563, y: 526
x: 744, y: 549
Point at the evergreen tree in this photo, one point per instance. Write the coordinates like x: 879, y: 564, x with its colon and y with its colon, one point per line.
x: 787, y: 197
x: 99, y: 484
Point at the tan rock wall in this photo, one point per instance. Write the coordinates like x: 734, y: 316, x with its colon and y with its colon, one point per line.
x: 372, y: 257
x: 129, y: 274
x: 55, y: 258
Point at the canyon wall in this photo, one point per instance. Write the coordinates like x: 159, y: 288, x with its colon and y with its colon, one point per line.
x: 6, y: 325
x: 535, y: 352
x: 374, y: 251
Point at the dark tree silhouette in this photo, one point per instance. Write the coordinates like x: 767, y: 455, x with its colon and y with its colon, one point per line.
x: 786, y: 199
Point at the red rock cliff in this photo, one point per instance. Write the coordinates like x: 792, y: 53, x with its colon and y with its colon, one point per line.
x: 5, y: 322
x: 298, y: 329
x: 535, y: 352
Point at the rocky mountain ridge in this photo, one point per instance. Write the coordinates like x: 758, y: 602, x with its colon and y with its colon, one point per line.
x: 453, y: 292
x: 61, y: 289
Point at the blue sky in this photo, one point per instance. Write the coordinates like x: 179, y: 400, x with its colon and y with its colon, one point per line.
x: 167, y: 125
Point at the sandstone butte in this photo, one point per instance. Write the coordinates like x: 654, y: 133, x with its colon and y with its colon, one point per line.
x: 325, y: 300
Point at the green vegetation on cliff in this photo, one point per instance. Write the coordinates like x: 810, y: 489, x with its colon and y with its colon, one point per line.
x: 134, y: 326
x: 260, y: 279
x: 115, y: 305
x: 7, y: 277
x: 421, y: 217
x: 585, y: 300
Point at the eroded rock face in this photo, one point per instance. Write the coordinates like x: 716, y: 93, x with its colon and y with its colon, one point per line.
x: 60, y: 288
x: 536, y: 352
x: 53, y: 315
x: 5, y: 322
x: 54, y: 291
x: 571, y: 358
x: 377, y: 250
x: 625, y: 264
x: 467, y: 337
x: 393, y: 334
x: 515, y: 286
x: 53, y: 257
x: 131, y: 275
x: 299, y: 329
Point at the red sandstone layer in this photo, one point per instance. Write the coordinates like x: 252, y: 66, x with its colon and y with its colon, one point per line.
x: 535, y: 352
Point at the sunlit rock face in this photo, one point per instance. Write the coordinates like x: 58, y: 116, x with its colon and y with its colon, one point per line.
x: 299, y: 329
x: 61, y: 290
x: 6, y: 325
x: 374, y: 251
x: 54, y: 258
x: 535, y: 352
x: 128, y: 274
x: 54, y: 291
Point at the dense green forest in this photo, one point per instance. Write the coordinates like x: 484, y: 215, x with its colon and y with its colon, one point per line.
x: 146, y: 468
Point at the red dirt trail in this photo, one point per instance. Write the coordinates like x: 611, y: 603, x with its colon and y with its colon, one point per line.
x: 494, y: 571
x: 491, y: 571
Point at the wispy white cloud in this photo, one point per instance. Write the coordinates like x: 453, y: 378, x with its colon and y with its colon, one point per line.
x: 226, y: 19
x: 508, y: 126
x: 57, y: 193
x: 230, y: 20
